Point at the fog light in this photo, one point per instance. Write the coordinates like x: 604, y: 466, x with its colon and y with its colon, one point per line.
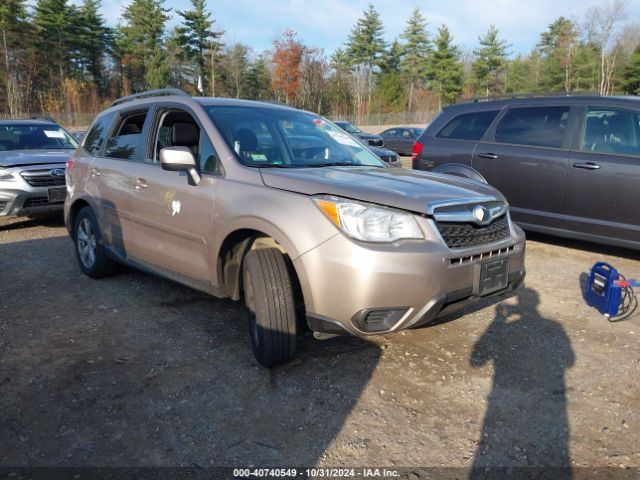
x: 372, y: 320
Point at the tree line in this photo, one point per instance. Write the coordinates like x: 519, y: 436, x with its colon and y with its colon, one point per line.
x: 61, y: 58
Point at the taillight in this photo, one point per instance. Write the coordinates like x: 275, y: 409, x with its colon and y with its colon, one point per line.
x: 417, y: 148
x: 69, y: 164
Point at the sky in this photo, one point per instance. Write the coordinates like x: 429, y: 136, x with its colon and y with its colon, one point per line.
x: 327, y: 23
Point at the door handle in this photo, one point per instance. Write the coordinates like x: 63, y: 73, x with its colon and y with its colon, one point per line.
x: 587, y: 166
x: 94, y: 172
x: 140, y: 184
x: 492, y: 156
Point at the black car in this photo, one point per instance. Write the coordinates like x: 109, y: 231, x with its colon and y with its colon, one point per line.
x: 370, y: 138
x: 569, y: 165
x: 389, y: 157
x: 401, y: 139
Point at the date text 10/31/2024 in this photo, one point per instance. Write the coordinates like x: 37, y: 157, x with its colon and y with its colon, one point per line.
x: 315, y: 473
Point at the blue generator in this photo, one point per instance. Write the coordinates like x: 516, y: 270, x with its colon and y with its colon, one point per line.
x: 610, y: 293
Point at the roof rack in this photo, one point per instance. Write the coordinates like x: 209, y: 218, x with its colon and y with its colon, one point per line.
x: 516, y: 96
x: 150, y: 93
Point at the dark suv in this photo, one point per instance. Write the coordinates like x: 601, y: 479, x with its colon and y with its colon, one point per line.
x: 568, y: 165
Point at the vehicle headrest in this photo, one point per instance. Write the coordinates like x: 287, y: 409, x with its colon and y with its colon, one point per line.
x: 247, y: 139
x: 184, y: 134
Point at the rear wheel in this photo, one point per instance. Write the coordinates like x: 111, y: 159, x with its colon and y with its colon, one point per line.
x: 270, y: 299
x: 90, y: 250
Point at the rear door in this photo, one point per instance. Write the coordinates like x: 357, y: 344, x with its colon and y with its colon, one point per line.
x: 603, y: 184
x: 391, y: 139
x: 525, y: 156
x: 174, y: 220
x: 109, y: 181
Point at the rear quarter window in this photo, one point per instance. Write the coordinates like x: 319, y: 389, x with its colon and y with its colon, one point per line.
x: 468, y: 126
x: 94, y: 138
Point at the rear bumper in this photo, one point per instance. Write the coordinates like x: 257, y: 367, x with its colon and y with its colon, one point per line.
x: 411, y: 283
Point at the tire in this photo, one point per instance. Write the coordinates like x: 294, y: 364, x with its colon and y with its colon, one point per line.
x: 271, y: 302
x: 90, y: 252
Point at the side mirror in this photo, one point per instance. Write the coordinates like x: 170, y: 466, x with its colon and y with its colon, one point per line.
x: 180, y: 159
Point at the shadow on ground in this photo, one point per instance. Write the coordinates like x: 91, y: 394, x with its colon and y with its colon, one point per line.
x: 137, y: 371
x: 525, y: 424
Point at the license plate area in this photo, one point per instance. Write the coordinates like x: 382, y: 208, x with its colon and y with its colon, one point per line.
x: 57, y: 195
x: 491, y: 277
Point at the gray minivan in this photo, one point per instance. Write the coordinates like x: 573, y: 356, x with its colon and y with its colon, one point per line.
x: 568, y: 165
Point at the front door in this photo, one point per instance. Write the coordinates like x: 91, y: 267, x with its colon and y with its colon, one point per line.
x: 526, y: 159
x: 174, y: 220
x: 603, y: 184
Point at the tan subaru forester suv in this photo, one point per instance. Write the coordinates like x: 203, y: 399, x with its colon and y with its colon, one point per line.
x: 281, y: 208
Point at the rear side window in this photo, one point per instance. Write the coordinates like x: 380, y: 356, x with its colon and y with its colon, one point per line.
x: 95, y: 137
x: 535, y: 126
x: 468, y: 126
x: 611, y: 130
x: 126, y: 140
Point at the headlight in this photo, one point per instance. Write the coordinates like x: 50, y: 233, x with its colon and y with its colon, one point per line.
x: 368, y: 223
x: 6, y: 176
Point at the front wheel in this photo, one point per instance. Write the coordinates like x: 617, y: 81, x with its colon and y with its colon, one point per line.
x: 90, y: 250
x: 270, y: 299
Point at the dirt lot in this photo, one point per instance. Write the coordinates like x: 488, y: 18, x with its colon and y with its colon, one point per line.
x: 137, y: 371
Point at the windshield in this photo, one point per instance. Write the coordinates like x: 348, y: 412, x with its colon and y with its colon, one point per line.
x: 274, y: 137
x: 25, y: 136
x: 347, y: 127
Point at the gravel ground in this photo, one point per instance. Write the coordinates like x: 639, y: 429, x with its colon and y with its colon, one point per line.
x: 137, y: 371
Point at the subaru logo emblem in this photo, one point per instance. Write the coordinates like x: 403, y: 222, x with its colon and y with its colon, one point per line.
x: 481, y: 214
x: 57, y: 172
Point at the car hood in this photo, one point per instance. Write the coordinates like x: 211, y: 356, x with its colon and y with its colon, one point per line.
x: 18, y: 158
x: 381, y: 150
x: 367, y: 136
x: 405, y: 189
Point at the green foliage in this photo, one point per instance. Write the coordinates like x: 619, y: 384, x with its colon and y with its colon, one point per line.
x: 141, y: 43
x: 631, y: 79
x: 445, y: 69
x: 54, y: 21
x: 93, y: 40
x: 522, y: 74
x: 258, y: 79
x: 198, y: 37
x: 490, y: 63
x: 416, y: 49
x: 557, y: 47
x: 365, y: 44
x: 389, y: 94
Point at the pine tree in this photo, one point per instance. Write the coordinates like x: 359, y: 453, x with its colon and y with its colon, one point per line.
x: 445, y: 69
x: 54, y: 23
x: 416, y: 52
x: 258, y: 79
x: 141, y: 43
x: 490, y: 62
x: 14, y: 32
x: 94, y: 39
x: 631, y: 80
x: 198, y: 37
x: 365, y: 46
x: 557, y: 46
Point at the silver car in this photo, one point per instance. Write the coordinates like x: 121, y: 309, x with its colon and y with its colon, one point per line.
x: 284, y: 210
x: 33, y: 154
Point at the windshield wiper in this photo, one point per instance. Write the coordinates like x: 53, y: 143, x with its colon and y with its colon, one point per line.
x: 267, y: 165
x: 331, y: 164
